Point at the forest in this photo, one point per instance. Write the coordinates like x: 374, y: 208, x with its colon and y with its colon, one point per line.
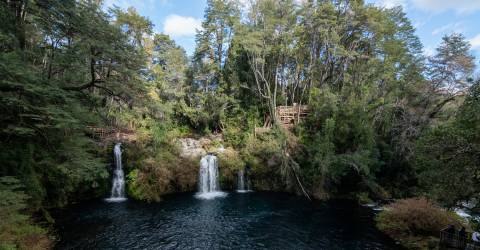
x: 384, y: 121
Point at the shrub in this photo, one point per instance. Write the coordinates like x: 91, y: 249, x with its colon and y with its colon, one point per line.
x: 151, y: 182
x: 262, y: 156
x: 415, y: 221
x: 230, y: 162
x: 185, y: 174
x: 156, y: 171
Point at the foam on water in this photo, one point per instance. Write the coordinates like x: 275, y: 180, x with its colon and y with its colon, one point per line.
x: 210, y: 195
x: 244, y: 191
x: 115, y: 199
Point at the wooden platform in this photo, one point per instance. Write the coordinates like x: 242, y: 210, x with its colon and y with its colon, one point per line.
x: 288, y: 116
x: 291, y: 115
x: 454, y: 241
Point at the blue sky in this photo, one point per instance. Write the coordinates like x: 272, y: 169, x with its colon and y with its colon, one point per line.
x: 432, y: 18
x: 177, y: 18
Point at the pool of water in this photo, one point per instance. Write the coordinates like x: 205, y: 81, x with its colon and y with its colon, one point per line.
x: 253, y: 220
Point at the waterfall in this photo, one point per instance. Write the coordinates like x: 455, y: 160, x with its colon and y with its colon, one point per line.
x: 243, y: 184
x: 208, y: 185
x: 241, y: 180
x: 118, y: 186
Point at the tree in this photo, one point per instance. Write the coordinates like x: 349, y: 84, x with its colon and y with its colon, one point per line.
x: 213, y: 42
x: 134, y: 25
x: 448, y: 155
x: 169, y: 66
x: 207, y: 103
x: 452, y: 67
x: 265, y: 34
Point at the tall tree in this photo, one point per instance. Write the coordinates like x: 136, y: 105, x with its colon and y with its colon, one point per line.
x: 134, y: 25
x: 448, y: 155
x: 265, y: 34
x: 451, y: 68
x: 213, y: 42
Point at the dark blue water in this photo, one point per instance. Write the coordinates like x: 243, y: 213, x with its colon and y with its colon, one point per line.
x: 239, y: 221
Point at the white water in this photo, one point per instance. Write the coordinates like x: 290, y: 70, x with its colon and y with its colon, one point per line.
x: 242, y: 186
x: 118, y: 186
x: 208, y: 186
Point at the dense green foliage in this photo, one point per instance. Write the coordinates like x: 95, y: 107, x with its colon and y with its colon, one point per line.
x: 63, y: 65
x: 448, y: 155
x: 384, y: 120
x: 16, y: 228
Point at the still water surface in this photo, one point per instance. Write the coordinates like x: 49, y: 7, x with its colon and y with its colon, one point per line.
x: 253, y: 220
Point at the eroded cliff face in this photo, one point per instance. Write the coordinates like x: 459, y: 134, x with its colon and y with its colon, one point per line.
x: 191, y: 148
x: 198, y: 147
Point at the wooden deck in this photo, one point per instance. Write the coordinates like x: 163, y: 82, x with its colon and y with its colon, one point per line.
x: 288, y: 116
x: 454, y: 241
x: 291, y: 115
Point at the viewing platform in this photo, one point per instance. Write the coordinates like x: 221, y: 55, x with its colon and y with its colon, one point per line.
x: 454, y: 240
x: 287, y: 116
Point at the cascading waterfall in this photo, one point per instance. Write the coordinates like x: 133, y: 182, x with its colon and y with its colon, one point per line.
x: 208, y: 186
x: 208, y: 181
x: 243, y: 184
x: 241, y: 180
x: 118, y: 186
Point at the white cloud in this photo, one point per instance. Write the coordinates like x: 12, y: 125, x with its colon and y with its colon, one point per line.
x: 119, y: 3
x: 181, y: 26
x: 429, y: 51
x: 457, y: 27
x: 137, y: 4
x: 434, y: 6
x: 460, y: 6
x: 392, y: 3
x: 475, y: 42
x: 418, y: 24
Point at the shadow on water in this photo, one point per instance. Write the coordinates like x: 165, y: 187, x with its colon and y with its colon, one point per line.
x: 254, y: 220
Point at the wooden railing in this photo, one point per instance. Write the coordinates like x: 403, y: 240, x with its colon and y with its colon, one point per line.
x: 288, y: 116
x: 291, y: 115
x: 457, y: 241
